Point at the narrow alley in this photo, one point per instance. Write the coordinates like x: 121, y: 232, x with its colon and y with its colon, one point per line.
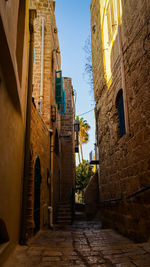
x: 81, y: 244
x: 61, y: 205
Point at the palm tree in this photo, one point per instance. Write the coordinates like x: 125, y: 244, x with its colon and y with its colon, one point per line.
x: 83, y: 133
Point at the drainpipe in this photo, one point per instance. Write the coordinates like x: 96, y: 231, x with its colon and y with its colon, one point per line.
x: 52, y: 177
x: 23, y: 228
x: 122, y: 70
x: 42, y: 60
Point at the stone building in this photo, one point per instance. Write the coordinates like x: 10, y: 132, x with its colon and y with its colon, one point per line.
x: 32, y: 118
x: 43, y: 165
x: 67, y: 143
x: 46, y: 72
x: 14, y: 53
x: 120, y: 33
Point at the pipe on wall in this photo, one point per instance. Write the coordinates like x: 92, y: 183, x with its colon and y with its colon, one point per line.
x: 52, y: 176
x: 42, y: 66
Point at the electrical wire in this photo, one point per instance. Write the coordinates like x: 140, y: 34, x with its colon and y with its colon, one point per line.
x: 86, y: 112
x: 77, y: 115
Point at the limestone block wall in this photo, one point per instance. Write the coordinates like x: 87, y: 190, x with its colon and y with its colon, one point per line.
x: 39, y: 147
x: 51, y: 62
x: 91, y: 196
x: 124, y: 162
x: 67, y: 143
x: 51, y: 57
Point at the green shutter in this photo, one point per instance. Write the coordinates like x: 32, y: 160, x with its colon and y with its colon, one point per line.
x: 58, y: 87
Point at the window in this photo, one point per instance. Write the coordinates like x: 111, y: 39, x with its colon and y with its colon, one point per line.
x: 58, y: 87
x: 59, y: 92
x: 111, y: 20
x: 109, y: 24
x: 109, y: 32
x: 120, y: 109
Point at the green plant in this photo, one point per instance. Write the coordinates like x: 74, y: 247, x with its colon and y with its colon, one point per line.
x: 83, y: 175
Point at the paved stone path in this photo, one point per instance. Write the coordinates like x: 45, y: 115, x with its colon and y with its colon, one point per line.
x: 82, y: 244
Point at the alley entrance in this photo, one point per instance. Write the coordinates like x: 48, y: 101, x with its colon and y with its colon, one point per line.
x: 81, y: 244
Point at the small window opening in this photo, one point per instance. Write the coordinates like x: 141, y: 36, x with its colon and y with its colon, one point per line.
x: 121, y: 117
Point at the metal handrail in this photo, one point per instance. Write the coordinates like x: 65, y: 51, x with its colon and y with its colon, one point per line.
x: 111, y: 200
x: 127, y: 197
x: 138, y: 192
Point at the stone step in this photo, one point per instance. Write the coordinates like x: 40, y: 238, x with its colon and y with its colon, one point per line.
x: 63, y: 208
x: 64, y: 221
x: 63, y: 203
x: 79, y: 215
x: 68, y: 217
x: 64, y: 213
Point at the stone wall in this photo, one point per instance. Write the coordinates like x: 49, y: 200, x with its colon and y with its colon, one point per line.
x: 51, y: 57
x: 91, y: 196
x: 124, y: 162
x: 67, y: 143
x: 39, y: 147
x: 45, y: 10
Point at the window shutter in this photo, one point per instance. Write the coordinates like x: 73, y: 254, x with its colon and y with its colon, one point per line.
x: 58, y: 87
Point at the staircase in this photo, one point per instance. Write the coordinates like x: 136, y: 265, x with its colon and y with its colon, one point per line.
x: 80, y: 212
x: 64, y: 213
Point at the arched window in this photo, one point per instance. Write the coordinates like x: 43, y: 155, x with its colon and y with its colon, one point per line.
x: 120, y: 109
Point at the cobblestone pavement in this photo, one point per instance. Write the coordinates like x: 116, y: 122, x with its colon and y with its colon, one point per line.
x: 82, y: 244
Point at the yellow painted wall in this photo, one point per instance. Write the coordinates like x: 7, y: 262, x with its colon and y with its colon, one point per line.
x: 12, y: 118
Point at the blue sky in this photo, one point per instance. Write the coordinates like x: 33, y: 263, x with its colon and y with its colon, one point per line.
x: 73, y: 23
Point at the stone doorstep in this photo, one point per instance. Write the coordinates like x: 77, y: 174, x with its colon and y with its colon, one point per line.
x: 3, y: 247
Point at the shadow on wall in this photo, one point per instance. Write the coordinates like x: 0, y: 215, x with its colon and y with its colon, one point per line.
x: 91, y: 197
x: 3, y: 232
